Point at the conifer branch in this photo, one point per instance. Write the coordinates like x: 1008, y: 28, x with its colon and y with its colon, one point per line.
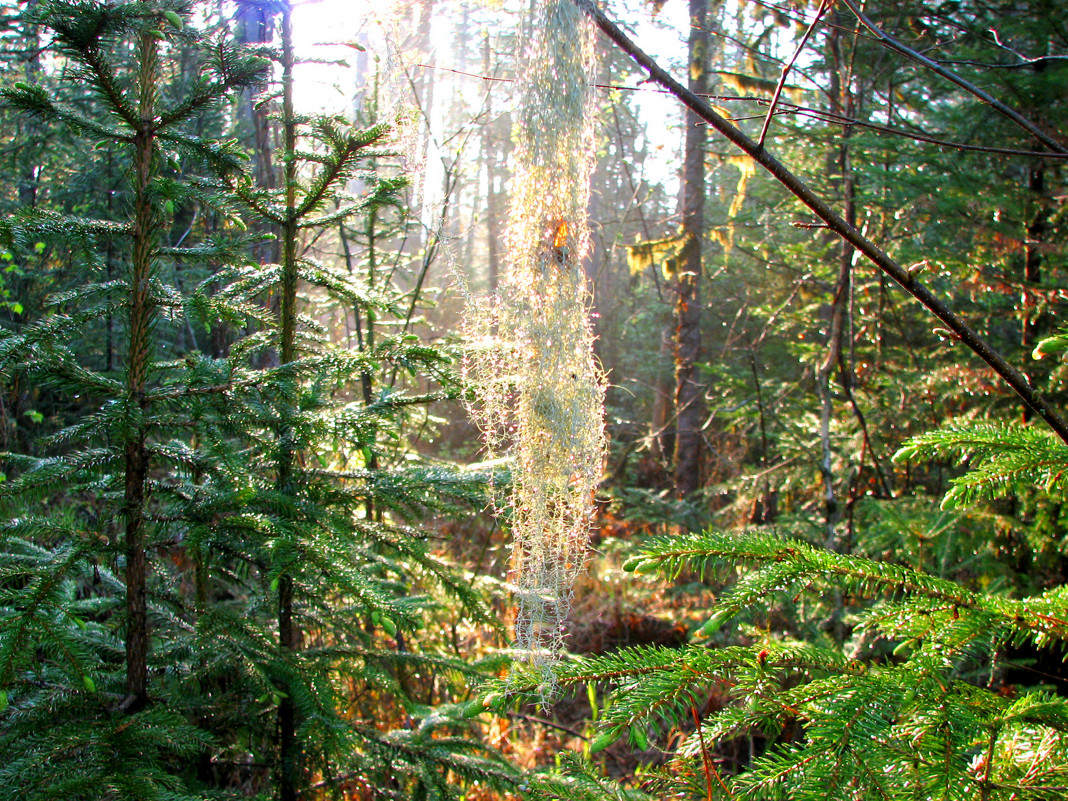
x: 194, y: 391
x: 790, y: 563
x: 1002, y: 458
x: 340, y: 162
x: 44, y: 222
x: 89, y: 53
x: 35, y: 100
x: 234, y: 69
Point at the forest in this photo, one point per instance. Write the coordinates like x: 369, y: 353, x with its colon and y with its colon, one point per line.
x: 533, y: 399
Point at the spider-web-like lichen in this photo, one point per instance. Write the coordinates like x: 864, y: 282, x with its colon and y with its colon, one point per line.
x: 540, y: 390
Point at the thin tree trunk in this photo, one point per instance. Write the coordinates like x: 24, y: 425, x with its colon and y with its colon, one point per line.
x: 367, y: 338
x: 255, y: 26
x: 689, y: 396
x: 423, y: 90
x: 766, y: 505
x: 138, y: 358
x: 109, y: 271
x: 662, y: 432
x: 29, y: 176
x: 289, y: 635
x: 841, y: 103
x: 1036, y: 235
x: 835, y: 360
x: 494, y: 213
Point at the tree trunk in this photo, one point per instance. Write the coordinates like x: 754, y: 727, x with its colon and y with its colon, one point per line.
x: 494, y: 178
x: 1036, y: 235
x: 662, y: 431
x: 689, y: 396
x: 30, y: 135
x: 289, y: 635
x: 255, y: 25
x: 139, y: 357
x: 839, y: 162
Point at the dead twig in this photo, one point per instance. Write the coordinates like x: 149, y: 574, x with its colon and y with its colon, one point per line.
x: 786, y: 71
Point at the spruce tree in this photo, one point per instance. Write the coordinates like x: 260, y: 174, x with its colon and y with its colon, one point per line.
x: 88, y: 611
x: 209, y: 586
x: 340, y: 561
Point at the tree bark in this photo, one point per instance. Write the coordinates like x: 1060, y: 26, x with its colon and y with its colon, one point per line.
x: 28, y: 173
x: 840, y: 163
x: 493, y: 159
x: 1032, y: 277
x: 139, y: 354
x: 289, y: 635
x: 662, y: 430
x: 255, y: 24
x: 689, y: 395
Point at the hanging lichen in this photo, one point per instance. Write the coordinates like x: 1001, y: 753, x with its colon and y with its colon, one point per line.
x: 540, y: 393
x: 755, y: 86
x: 666, y: 253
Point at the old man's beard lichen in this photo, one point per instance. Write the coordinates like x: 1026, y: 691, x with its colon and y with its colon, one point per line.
x: 540, y: 392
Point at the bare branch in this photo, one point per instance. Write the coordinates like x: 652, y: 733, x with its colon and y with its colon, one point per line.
x: 969, y: 336
x: 786, y: 71
x: 841, y: 119
x: 805, y: 111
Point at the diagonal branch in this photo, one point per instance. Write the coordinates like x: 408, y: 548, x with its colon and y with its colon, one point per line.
x: 952, y: 77
x: 916, y: 136
x: 906, y: 279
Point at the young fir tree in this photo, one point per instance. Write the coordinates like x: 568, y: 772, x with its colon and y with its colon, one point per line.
x: 316, y: 503
x: 88, y: 609
x: 208, y: 585
x: 924, y: 700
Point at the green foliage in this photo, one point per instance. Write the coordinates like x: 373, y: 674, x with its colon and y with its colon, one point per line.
x: 1002, y: 459
x: 914, y: 713
x: 920, y: 655
x: 183, y: 502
